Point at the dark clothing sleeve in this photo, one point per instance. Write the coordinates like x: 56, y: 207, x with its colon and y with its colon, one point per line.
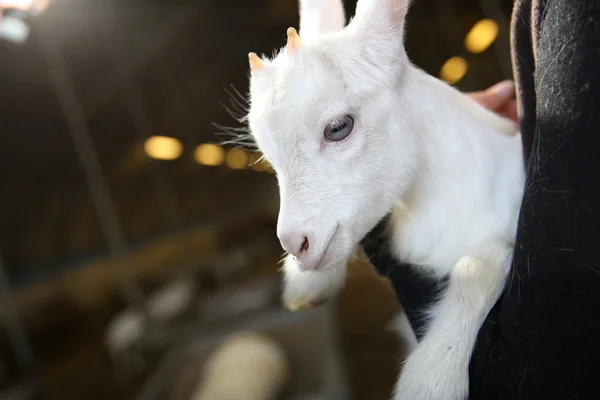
x: 542, y: 339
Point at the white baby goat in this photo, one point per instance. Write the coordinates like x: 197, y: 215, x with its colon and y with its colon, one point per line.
x: 354, y: 132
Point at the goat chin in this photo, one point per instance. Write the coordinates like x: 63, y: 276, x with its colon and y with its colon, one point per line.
x: 308, y: 289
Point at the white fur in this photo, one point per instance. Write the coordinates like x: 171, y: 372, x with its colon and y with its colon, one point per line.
x: 450, y: 171
x: 306, y: 288
x: 318, y: 17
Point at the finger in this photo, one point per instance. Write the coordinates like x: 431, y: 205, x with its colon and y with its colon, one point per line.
x: 510, y: 111
x: 487, y: 100
x: 496, y: 96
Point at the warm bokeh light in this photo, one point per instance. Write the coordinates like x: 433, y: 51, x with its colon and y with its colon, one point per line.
x: 454, y: 70
x: 253, y: 158
x: 258, y: 166
x: 237, y: 159
x: 481, y: 36
x: 267, y: 167
x: 163, y: 148
x: 209, y: 154
x: 24, y: 5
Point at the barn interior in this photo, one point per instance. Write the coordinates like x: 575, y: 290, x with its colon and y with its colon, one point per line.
x: 134, y: 237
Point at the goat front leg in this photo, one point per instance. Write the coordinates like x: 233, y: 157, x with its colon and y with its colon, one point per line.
x: 438, y: 368
x: 304, y: 289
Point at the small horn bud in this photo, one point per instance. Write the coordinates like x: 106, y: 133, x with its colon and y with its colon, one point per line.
x: 256, y: 63
x: 293, y: 40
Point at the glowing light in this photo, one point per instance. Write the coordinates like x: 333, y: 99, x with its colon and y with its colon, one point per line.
x: 33, y: 6
x: 237, y: 159
x: 258, y: 166
x: 18, y: 4
x: 267, y: 167
x: 13, y: 27
x: 163, y: 148
x: 454, y: 69
x: 262, y: 165
x: 209, y: 154
x: 253, y: 161
x: 481, y: 36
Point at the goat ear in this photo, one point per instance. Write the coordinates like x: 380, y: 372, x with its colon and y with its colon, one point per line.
x: 381, y: 17
x: 318, y: 17
x: 376, y: 42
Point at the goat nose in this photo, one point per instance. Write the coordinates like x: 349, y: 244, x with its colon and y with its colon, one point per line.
x: 294, y: 243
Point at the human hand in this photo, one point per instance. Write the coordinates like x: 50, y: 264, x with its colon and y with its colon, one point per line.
x: 499, y: 99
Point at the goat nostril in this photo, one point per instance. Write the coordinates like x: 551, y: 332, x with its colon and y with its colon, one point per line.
x: 304, y: 245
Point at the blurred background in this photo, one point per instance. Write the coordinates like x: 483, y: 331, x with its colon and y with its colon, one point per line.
x: 133, y: 238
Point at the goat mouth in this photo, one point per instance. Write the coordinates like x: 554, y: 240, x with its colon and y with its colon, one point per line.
x: 325, y: 254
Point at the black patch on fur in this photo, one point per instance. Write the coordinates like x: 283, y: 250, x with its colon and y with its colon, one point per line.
x: 415, y: 291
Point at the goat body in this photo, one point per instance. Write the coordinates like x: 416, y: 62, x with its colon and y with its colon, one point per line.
x: 450, y: 172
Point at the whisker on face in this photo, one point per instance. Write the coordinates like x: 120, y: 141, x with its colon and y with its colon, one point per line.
x: 237, y: 109
x: 232, y: 129
x: 236, y: 113
x: 238, y: 105
x: 258, y: 160
x: 283, y: 258
x: 281, y: 261
x: 236, y: 136
x: 236, y: 98
x: 239, y: 145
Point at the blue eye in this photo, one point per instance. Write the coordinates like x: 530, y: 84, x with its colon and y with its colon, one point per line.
x: 339, y: 128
